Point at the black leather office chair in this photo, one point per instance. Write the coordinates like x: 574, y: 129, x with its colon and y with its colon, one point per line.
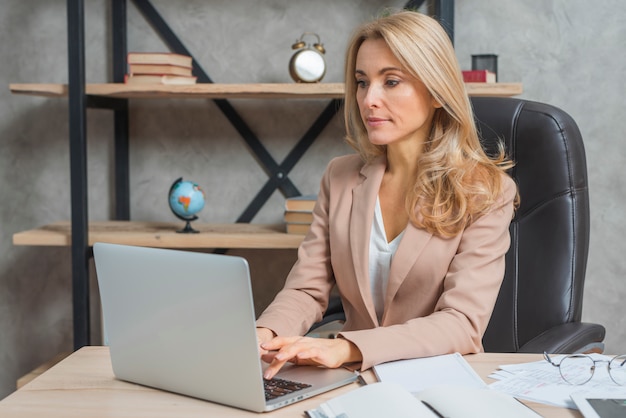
x: 540, y: 303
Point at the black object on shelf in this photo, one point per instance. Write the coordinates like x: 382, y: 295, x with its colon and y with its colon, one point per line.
x: 485, y: 62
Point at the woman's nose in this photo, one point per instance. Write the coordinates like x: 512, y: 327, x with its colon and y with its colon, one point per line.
x: 372, y: 96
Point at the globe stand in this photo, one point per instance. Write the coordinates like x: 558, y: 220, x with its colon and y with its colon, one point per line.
x: 188, y: 229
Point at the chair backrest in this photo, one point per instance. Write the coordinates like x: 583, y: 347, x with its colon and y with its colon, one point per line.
x: 545, y: 266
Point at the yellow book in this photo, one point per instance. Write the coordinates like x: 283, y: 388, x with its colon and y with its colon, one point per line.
x: 298, y: 229
x: 301, y: 203
x: 298, y: 217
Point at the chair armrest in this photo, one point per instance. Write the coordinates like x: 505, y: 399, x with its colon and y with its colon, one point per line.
x: 572, y: 337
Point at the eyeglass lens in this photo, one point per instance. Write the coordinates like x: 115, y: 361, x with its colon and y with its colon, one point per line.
x: 617, y: 369
x: 578, y: 369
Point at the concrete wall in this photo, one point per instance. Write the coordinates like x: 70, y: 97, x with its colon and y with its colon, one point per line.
x: 567, y: 53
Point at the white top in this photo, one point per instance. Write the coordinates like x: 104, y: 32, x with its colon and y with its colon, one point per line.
x: 381, y: 253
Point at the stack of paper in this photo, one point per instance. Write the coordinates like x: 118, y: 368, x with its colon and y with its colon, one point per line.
x: 442, y: 386
x: 392, y: 400
x: 541, y: 382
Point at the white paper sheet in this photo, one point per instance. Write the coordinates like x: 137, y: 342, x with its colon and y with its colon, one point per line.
x: 418, y: 374
x: 541, y: 382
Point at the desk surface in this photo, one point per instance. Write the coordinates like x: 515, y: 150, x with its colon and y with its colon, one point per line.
x: 83, y: 385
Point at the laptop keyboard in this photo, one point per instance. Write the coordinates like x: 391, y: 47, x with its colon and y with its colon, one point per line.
x: 279, y: 387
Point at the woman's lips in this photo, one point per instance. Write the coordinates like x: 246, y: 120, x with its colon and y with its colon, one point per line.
x: 372, y: 121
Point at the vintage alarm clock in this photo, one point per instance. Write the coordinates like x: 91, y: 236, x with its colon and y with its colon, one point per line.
x: 307, y: 65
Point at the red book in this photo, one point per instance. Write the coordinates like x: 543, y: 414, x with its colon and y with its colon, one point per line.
x: 479, y: 76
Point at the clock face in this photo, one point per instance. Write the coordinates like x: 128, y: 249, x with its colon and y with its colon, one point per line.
x: 308, y: 66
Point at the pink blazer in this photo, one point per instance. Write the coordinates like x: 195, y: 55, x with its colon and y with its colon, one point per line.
x: 441, y: 291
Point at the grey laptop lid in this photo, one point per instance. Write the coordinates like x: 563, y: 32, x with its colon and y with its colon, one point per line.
x: 184, y: 322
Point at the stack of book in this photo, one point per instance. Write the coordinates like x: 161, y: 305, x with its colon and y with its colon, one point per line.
x: 159, y: 68
x: 299, y: 213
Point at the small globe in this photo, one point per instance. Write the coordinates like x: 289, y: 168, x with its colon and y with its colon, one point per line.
x: 186, y: 199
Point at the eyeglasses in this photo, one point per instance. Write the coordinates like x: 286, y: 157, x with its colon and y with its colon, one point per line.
x: 578, y: 369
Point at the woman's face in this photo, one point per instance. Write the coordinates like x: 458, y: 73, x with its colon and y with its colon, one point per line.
x: 394, y: 106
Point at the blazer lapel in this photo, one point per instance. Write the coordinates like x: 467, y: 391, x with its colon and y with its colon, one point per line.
x: 364, y: 197
x: 411, y: 246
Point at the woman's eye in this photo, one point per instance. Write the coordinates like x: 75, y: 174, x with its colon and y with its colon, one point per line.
x: 392, y: 83
x: 361, y: 83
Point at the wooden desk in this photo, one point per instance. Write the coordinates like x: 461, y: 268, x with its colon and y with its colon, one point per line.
x: 83, y: 385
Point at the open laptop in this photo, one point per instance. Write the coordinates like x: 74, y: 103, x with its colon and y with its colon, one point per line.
x: 184, y: 322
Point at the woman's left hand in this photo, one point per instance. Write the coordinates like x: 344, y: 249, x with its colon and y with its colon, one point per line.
x: 331, y: 353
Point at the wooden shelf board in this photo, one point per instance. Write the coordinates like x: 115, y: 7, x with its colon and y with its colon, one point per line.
x: 200, y: 90
x: 494, y: 89
x: 44, y: 90
x: 164, y: 235
x: 234, y: 91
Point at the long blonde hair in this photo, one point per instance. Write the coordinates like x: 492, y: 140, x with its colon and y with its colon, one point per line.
x: 456, y: 182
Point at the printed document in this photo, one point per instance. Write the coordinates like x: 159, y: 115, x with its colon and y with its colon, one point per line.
x: 541, y: 382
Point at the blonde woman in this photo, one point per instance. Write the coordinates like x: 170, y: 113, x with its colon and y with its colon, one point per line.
x: 413, y: 228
